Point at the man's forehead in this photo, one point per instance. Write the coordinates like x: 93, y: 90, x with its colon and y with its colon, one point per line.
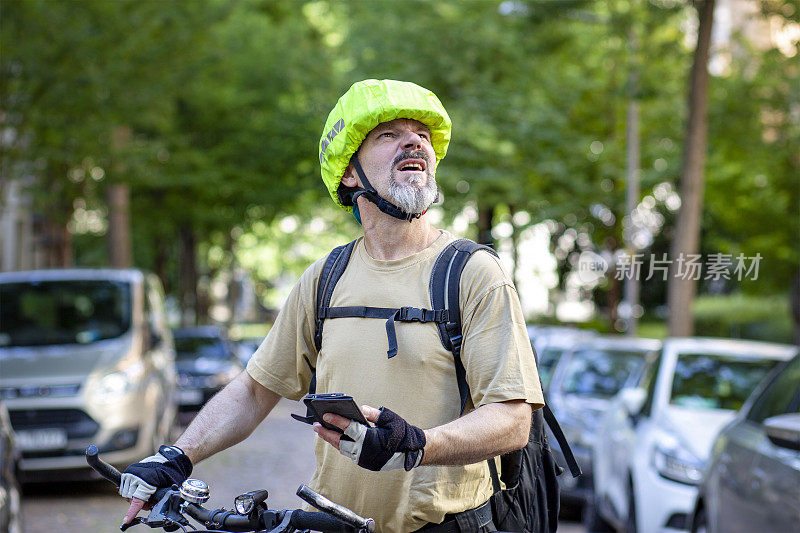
x: 399, y: 123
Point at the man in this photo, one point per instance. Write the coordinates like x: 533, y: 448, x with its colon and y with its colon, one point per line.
x: 424, y: 463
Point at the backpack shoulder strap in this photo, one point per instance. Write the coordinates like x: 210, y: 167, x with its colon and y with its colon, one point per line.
x: 331, y: 272
x: 558, y: 433
x: 444, y: 292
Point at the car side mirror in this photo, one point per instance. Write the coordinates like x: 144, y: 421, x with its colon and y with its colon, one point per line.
x: 633, y: 400
x: 784, y: 430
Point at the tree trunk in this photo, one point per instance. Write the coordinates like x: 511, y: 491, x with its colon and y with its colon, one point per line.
x: 633, y: 171
x: 160, y: 264
x: 118, y: 198
x: 56, y: 243
x: 233, y: 286
x: 686, y: 239
x: 485, y: 220
x: 187, y: 284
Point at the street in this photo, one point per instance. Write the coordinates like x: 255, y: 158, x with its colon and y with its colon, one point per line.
x: 278, y: 456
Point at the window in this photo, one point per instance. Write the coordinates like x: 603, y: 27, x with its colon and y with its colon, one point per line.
x: 63, y: 312
x: 716, y: 381
x: 781, y: 396
x: 547, y: 361
x: 197, y: 347
x: 600, y: 373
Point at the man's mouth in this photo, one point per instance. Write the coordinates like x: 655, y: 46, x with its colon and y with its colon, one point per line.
x: 411, y: 165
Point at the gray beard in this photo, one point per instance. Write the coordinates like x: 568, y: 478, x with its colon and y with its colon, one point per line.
x: 409, y: 197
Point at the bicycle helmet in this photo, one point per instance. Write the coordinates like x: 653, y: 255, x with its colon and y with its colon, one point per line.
x: 365, y: 105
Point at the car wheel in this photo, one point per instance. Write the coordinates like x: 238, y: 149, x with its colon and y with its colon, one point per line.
x: 630, y: 521
x: 592, y: 521
x: 700, y: 523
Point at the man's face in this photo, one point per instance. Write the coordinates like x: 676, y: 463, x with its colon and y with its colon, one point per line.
x: 399, y: 161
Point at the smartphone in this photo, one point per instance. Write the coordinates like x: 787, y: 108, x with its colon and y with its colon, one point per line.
x: 332, y: 402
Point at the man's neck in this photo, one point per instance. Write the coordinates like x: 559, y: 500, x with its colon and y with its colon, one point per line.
x: 387, y: 238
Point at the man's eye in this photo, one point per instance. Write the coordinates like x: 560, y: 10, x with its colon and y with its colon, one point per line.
x: 387, y: 134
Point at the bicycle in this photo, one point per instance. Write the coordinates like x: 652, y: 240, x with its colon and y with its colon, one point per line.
x: 171, y: 507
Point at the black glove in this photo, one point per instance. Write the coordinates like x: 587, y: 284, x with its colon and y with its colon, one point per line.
x: 392, y: 444
x: 170, y: 466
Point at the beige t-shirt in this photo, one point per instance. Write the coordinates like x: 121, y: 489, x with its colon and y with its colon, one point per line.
x: 419, y: 383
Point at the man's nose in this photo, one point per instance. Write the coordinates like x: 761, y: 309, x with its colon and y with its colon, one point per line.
x: 412, y: 141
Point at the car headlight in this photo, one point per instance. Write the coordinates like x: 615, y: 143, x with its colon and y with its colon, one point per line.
x: 674, y: 462
x: 114, y: 384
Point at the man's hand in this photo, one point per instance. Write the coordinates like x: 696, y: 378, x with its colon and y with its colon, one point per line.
x: 170, y: 466
x: 392, y: 444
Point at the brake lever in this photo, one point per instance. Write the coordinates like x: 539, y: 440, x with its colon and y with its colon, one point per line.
x: 135, y: 522
x: 165, y: 514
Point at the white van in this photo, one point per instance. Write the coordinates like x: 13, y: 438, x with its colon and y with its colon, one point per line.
x: 85, y: 358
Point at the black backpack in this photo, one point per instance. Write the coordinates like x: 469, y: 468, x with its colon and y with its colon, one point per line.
x: 530, y: 501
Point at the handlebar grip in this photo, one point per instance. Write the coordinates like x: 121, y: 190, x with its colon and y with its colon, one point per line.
x: 319, y: 522
x: 340, y: 512
x: 102, y: 467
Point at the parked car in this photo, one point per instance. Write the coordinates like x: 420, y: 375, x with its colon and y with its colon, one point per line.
x: 654, y: 441
x: 246, y: 347
x: 584, y: 380
x: 550, y: 342
x: 10, y: 498
x: 206, y: 362
x: 86, y: 359
x: 753, y: 479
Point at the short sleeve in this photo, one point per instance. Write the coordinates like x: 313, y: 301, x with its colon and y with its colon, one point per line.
x: 285, y: 361
x: 496, y: 351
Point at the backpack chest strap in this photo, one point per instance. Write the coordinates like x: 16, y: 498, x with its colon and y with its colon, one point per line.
x: 391, y: 315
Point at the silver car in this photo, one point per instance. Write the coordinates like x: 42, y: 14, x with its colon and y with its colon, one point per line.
x: 550, y: 343
x: 85, y: 358
x: 753, y: 479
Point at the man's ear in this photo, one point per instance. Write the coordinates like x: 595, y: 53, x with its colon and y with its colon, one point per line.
x: 350, y: 179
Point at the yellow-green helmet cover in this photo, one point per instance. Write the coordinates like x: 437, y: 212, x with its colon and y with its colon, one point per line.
x: 365, y: 105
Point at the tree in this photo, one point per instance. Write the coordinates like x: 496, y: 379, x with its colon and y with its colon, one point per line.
x: 686, y: 240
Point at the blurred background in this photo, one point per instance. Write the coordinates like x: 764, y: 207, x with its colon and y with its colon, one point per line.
x: 636, y: 163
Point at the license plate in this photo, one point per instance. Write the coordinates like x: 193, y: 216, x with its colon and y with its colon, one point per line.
x: 190, y: 397
x: 41, y: 439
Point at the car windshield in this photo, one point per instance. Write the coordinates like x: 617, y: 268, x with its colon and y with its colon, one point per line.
x: 715, y: 381
x: 547, y: 360
x: 593, y: 372
x: 196, y: 347
x: 63, y: 312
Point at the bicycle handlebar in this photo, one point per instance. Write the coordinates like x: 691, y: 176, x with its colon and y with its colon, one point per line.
x: 334, y: 518
x: 102, y: 467
x: 342, y: 513
x: 319, y: 522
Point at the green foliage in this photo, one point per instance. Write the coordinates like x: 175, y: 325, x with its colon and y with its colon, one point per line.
x: 277, y: 253
x: 745, y: 317
x: 753, y: 189
x: 211, y: 111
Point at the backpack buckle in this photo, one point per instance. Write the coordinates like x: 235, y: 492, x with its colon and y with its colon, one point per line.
x: 412, y: 314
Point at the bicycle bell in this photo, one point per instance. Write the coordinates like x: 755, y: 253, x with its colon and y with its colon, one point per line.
x: 195, y: 491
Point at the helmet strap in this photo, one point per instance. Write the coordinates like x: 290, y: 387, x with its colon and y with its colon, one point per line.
x: 369, y: 192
